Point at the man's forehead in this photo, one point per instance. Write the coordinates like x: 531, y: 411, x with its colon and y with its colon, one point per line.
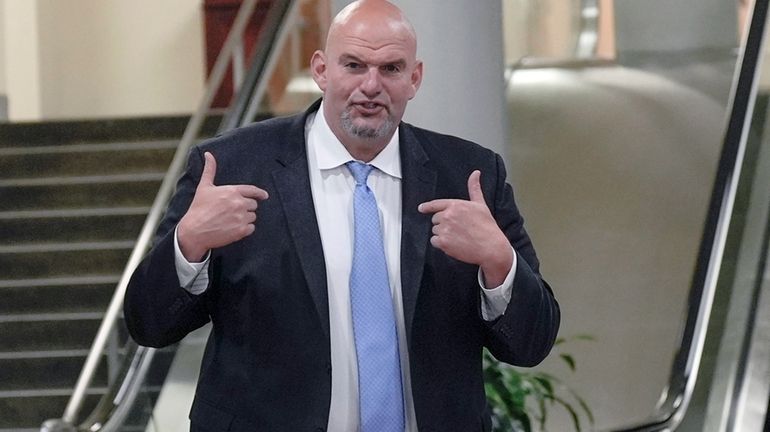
x: 372, y: 44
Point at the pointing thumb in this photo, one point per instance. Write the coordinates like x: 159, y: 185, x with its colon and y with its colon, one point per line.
x: 209, y: 170
x: 474, y: 187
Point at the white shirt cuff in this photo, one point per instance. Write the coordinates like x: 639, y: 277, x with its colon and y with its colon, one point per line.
x: 494, y: 301
x: 193, y: 277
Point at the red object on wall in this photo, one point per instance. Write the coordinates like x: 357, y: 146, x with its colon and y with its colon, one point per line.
x: 219, y: 18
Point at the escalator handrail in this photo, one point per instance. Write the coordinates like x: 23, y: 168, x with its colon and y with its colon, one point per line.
x: 684, y: 371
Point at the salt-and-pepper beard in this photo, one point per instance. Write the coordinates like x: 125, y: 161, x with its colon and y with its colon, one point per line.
x: 366, y: 132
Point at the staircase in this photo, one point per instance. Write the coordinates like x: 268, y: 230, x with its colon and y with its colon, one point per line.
x: 73, y: 198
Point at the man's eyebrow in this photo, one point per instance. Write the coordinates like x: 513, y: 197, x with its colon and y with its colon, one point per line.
x: 345, y: 58
x: 399, y: 62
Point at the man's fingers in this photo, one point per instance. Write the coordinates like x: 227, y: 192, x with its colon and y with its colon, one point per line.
x: 252, y: 205
x: 434, y: 206
x: 474, y: 187
x: 252, y: 192
x: 209, y: 170
x: 474, y: 192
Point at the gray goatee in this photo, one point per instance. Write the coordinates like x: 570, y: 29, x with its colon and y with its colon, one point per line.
x: 365, y: 131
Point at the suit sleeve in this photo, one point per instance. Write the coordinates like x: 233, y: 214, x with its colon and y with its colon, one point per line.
x: 158, y: 311
x: 525, y: 333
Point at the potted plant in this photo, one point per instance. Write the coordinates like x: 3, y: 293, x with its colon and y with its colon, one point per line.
x: 520, y: 399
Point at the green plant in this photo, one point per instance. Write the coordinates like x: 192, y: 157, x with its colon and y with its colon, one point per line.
x: 521, y: 399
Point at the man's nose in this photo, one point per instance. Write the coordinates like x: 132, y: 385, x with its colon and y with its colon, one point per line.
x: 372, y: 84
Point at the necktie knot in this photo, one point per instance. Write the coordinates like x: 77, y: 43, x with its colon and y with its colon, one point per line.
x: 360, y: 171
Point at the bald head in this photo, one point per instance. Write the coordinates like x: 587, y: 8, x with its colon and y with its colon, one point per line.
x: 364, y: 16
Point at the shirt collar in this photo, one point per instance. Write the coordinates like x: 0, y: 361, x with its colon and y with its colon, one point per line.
x: 330, y: 153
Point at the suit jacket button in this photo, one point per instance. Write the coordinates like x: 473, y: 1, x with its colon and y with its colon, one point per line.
x: 320, y: 429
x: 329, y: 368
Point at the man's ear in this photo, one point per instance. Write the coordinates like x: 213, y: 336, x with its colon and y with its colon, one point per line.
x: 318, y: 68
x: 416, y: 78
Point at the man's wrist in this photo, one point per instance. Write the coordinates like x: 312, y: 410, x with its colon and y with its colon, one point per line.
x: 192, y: 251
x: 497, y: 266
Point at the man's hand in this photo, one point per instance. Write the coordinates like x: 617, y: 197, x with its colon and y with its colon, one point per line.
x: 218, y: 215
x: 466, y: 231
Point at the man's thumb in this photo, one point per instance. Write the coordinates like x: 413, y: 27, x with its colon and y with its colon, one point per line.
x: 474, y: 187
x: 209, y: 170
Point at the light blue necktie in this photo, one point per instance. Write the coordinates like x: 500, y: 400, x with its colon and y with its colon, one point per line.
x: 380, y: 395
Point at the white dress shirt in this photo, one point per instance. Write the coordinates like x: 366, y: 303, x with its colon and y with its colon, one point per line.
x: 332, y: 187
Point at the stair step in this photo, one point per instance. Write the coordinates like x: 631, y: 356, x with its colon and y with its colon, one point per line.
x: 84, y: 131
x: 52, y: 332
x: 58, y: 370
x: 72, y: 225
x: 87, y: 159
x: 56, y: 295
x: 41, y: 370
x: 63, y: 259
x: 30, y: 409
x: 79, y: 192
x: 22, y: 410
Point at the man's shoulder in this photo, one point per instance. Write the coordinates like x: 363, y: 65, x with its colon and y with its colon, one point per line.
x: 264, y: 133
x: 441, y: 144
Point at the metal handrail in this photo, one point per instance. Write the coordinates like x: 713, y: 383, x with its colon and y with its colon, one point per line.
x: 265, y: 58
x: 110, y: 414
x: 678, y: 394
x: 165, y: 191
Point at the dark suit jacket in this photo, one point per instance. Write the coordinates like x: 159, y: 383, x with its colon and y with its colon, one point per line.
x: 267, y: 363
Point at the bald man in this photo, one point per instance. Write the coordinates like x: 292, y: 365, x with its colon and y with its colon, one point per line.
x: 263, y: 239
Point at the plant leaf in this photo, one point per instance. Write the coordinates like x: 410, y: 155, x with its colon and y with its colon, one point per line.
x: 569, y: 360
x: 583, y: 405
x: 545, y: 383
x: 543, y: 412
x: 571, y: 411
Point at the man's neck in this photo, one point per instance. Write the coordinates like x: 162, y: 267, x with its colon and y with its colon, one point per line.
x: 364, y: 150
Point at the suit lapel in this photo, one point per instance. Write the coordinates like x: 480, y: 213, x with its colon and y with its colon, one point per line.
x: 417, y: 186
x: 292, y: 182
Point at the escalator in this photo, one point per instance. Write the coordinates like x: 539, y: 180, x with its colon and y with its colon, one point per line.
x: 714, y: 175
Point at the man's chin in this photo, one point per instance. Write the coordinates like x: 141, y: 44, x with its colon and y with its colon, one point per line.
x: 366, y: 127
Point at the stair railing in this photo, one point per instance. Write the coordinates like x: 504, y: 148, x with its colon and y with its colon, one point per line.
x: 115, y: 405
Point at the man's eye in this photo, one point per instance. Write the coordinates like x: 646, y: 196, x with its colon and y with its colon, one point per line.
x: 391, y: 68
x: 353, y: 65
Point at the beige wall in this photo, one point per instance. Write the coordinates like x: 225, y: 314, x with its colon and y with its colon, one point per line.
x: 2, y: 48
x: 22, y: 66
x: 103, y: 58
x: 542, y: 28
x: 549, y: 29
x: 515, y: 27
